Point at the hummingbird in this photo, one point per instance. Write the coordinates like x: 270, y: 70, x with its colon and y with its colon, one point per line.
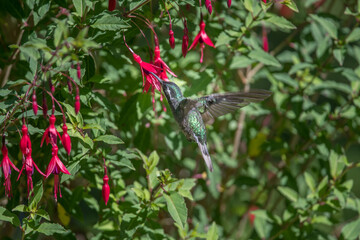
x: 193, y: 114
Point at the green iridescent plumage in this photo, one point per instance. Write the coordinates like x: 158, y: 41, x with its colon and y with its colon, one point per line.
x: 192, y: 114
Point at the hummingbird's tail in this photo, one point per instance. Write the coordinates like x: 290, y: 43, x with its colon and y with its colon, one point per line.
x: 206, y: 155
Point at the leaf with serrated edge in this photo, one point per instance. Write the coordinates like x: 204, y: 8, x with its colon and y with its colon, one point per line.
x: 50, y: 228
x: 176, y: 207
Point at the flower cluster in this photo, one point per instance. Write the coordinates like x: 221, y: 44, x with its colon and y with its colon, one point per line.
x: 50, y: 135
x: 55, y: 166
x: 157, y: 65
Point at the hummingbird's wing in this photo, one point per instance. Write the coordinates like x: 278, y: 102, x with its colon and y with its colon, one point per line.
x: 216, y: 105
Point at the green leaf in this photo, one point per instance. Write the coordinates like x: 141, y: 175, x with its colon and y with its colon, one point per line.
x: 212, y: 234
x: 290, y: 4
x: 153, y: 161
x: 354, y: 36
x: 281, y: 23
x: 328, y: 25
x: 310, y: 181
x: 176, y: 207
x: 333, y: 163
x: 42, y: 213
x: 109, y: 139
x: 36, y: 196
x: 126, y: 163
x: 6, y: 215
x: 240, y: 62
x: 41, y: 13
x: 339, y: 55
x: 351, y: 230
x: 110, y: 23
x: 248, y: 4
x: 73, y: 168
x: 185, y: 188
x: 288, y: 193
x: 264, y: 58
x: 21, y: 208
x: 223, y: 39
x: 50, y: 228
x: 337, y: 164
x: 80, y: 7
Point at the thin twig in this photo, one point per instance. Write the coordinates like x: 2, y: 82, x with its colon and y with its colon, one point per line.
x: 136, y: 8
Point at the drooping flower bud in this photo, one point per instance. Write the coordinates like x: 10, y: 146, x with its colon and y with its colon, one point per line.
x: 25, y: 143
x: 44, y: 105
x: 185, y: 40
x: 65, y: 139
x: 171, y: 39
x: 77, y: 103
x: 106, y: 188
x: 69, y: 85
x: 208, y: 5
x: 34, y: 102
x: 229, y: 3
x: 51, y: 86
x: 112, y: 5
x: 78, y: 71
x: 265, y: 39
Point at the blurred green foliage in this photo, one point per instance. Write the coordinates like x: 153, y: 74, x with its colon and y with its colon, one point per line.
x: 293, y: 157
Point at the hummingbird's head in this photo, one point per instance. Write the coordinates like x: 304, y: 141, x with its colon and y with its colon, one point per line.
x: 171, y: 90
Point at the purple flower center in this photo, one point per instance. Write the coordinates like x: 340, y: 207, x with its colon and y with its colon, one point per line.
x: 56, y: 170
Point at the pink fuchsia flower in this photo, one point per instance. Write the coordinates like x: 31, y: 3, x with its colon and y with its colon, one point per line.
x: 56, y: 166
x: 264, y: 1
x: 229, y: 3
x: 6, y: 165
x: 25, y: 143
x: 162, y: 67
x: 65, y: 139
x: 185, y: 40
x: 202, y: 38
x: 50, y: 133
x: 112, y: 5
x: 106, y: 188
x: 265, y: 39
x: 146, y: 68
x: 29, y: 164
x: 208, y: 5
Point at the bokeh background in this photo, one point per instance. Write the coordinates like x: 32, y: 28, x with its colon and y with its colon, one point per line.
x: 285, y: 168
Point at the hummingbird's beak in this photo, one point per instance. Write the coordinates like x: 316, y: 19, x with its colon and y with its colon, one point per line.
x: 161, y: 81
